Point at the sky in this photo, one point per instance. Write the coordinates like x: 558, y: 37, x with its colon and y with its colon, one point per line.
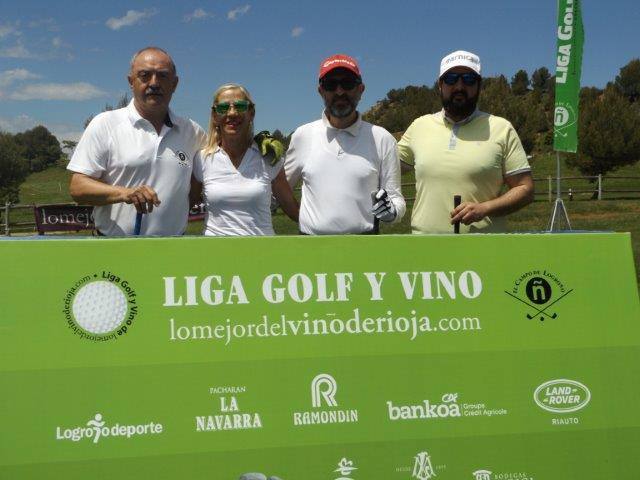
x: 63, y: 61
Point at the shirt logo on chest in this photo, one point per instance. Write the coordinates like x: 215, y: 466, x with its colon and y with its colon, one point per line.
x: 183, y: 158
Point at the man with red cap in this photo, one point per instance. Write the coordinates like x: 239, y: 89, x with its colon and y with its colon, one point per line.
x: 349, y: 168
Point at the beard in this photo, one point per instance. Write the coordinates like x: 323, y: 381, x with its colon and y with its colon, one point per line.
x: 344, y: 110
x: 459, y: 107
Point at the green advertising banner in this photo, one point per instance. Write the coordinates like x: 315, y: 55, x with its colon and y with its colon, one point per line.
x: 489, y: 357
x: 568, y: 70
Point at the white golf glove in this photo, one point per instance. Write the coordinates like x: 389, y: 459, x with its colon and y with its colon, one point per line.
x: 383, y: 209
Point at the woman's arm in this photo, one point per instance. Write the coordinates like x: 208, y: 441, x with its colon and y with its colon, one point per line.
x: 284, y: 195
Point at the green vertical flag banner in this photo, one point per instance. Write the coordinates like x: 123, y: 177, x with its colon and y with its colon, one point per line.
x: 568, y: 69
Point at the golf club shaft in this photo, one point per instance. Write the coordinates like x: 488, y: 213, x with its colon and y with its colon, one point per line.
x: 138, y: 226
x: 457, y: 200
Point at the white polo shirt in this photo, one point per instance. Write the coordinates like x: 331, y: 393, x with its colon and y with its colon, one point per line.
x: 238, y: 199
x: 340, y: 169
x: 122, y: 148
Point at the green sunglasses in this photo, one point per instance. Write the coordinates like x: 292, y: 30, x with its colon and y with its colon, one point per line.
x: 240, y: 106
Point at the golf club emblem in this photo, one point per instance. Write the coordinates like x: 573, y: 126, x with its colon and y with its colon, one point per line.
x: 540, y: 291
x: 183, y: 159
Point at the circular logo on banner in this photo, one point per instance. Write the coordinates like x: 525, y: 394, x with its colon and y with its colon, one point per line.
x: 562, y: 396
x: 100, y: 306
x: 538, y: 290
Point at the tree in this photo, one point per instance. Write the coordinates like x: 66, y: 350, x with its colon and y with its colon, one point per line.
x: 69, y: 145
x: 608, y: 134
x: 520, y: 83
x: 628, y: 81
x: 540, y: 79
x: 13, y: 168
x: 41, y: 149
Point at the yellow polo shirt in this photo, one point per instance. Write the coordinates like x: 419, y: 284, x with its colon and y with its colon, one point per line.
x: 470, y: 158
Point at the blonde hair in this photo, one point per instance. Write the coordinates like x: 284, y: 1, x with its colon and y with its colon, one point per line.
x: 213, y: 140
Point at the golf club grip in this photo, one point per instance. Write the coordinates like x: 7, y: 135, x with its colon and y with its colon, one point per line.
x: 457, y: 200
x: 138, y: 226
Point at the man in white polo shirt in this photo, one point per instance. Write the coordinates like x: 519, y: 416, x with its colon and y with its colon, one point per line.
x: 463, y: 151
x: 349, y: 168
x: 139, y: 158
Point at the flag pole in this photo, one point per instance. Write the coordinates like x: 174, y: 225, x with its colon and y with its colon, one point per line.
x: 570, y: 41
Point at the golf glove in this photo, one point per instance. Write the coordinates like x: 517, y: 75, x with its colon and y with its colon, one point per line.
x: 270, y: 148
x: 383, y: 208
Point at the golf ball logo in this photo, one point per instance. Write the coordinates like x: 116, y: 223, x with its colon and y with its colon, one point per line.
x: 101, y: 306
x: 539, y: 291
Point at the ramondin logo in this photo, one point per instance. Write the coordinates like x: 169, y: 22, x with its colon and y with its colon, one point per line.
x: 100, y: 307
x: 539, y: 290
x: 324, y: 386
x: 96, y: 428
x: 562, y: 396
x: 323, y: 391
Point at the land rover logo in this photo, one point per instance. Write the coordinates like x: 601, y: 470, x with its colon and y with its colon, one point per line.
x: 562, y: 396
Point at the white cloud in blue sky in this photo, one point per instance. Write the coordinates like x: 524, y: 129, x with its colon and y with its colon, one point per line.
x: 197, y: 14
x: 297, y: 31
x: 7, y: 29
x: 131, y: 18
x: 238, y: 12
x: 16, y: 51
x: 71, y: 92
x: 9, y: 77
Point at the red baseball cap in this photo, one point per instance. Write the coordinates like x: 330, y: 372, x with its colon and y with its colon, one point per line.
x: 338, y: 61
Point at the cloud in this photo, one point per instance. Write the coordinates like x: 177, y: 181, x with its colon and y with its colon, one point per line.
x: 17, y: 51
x: 131, y: 18
x: 237, y: 12
x: 197, y: 14
x: 19, y: 74
x: 17, y: 124
x: 7, y: 29
x: 73, y: 92
x: 296, y: 32
x: 47, y: 23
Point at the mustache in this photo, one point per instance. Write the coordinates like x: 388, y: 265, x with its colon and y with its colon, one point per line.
x: 152, y: 90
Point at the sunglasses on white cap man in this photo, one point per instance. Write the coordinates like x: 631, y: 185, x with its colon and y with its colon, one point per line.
x: 460, y: 58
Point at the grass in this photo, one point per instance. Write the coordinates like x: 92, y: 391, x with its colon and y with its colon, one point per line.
x: 618, y: 211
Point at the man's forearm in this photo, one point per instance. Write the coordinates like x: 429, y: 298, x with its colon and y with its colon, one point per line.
x: 89, y: 191
x: 511, y: 201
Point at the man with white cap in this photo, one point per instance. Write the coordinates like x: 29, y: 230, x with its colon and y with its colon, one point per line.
x: 349, y: 168
x: 463, y: 151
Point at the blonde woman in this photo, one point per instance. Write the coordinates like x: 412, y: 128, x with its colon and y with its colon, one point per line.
x: 237, y: 181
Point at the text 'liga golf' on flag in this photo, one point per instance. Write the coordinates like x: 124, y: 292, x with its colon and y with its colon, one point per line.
x: 568, y: 69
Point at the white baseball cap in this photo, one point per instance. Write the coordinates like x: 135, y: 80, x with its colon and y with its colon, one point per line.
x: 460, y: 58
